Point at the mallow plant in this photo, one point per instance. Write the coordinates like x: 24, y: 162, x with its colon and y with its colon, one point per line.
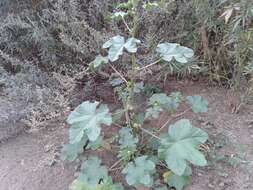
x: 155, y: 158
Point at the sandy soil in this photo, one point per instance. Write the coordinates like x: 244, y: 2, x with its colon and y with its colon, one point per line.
x: 31, y: 160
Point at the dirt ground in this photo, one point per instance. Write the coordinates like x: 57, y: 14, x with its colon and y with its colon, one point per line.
x: 30, y: 161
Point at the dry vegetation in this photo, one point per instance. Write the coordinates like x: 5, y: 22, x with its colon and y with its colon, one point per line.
x: 46, y: 47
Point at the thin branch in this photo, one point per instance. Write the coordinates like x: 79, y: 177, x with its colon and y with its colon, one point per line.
x: 170, y: 119
x: 115, y: 164
x: 151, y: 64
x: 128, y: 28
x: 167, y: 122
x: 148, y: 132
x: 121, y: 76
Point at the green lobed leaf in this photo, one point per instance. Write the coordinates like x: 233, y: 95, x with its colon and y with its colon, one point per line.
x: 159, y: 101
x: 116, y: 82
x: 153, y: 111
x: 70, y: 151
x: 106, y: 184
x: 126, y: 138
x: 99, y: 60
x: 86, y: 119
x: 179, y: 182
x: 139, y: 172
x: 131, y: 45
x: 170, y: 51
x: 164, y: 101
x: 181, y: 145
x: 117, y: 44
x: 198, y: 103
x: 95, y: 144
x: 92, y: 171
x: 119, y: 14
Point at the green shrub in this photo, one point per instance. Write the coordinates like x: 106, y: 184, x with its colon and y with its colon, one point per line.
x: 140, y: 151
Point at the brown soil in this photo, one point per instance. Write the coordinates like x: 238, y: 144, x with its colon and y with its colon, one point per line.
x: 31, y: 160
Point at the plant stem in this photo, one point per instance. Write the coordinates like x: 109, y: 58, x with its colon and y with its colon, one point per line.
x: 149, y: 65
x: 168, y: 121
x: 130, y: 85
x: 115, y: 164
x: 151, y: 134
x: 128, y: 28
x: 120, y: 75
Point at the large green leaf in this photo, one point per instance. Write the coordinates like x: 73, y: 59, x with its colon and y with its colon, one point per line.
x: 86, y: 120
x: 127, y: 140
x: 170, y: 51
x: 181, y: 145
x: 198, y: 103
x: 92, y: 171
x: 117, y: 44
x: 139, y: 172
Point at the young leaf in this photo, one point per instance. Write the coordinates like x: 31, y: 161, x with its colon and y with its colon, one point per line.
x: 117, y: 44
x: 139, y: 172
x: 99, y: 60
x: 119, y: 14
x: 198, y: 103
x: 86, y: 120
x: 131, y: 45
x: 138, y: 87
x: 158, y: 102
x: 153, y: 111
x: 181, y: 145
x: 70, y: 151
x: 116, y: 82
x: 127, y: 139
x: 164, y: 101
x: 92, y: 171
x: 168, y: 51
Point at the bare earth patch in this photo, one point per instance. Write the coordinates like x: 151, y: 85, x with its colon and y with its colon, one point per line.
x: 31, y: 161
